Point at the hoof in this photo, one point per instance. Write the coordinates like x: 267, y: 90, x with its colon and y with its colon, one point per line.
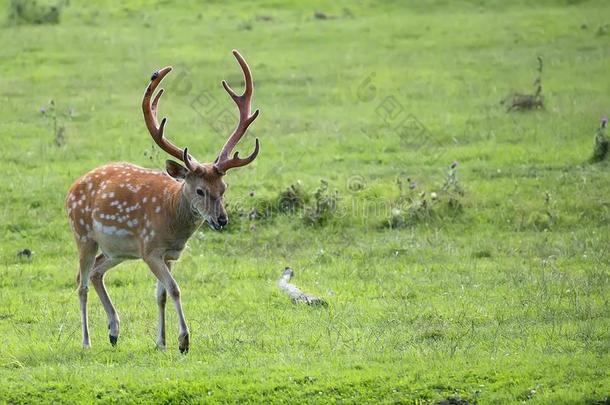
x: 113, y: 339
x: 183, y: 344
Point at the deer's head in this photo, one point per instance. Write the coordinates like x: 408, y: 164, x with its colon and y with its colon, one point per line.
x: 203, y: 182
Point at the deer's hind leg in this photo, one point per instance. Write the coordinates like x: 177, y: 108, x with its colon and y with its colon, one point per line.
x: 102, y: 265
x: 87, y: 251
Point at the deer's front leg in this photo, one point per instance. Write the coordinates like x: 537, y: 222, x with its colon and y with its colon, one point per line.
x: 167, y: 285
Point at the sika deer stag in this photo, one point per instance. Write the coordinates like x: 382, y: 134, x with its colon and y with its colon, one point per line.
x: 129, y: 212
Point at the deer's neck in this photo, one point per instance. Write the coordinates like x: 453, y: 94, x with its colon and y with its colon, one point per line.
x: 184, y: 220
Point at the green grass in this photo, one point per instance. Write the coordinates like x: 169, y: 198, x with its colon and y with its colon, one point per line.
x: 497, y: 304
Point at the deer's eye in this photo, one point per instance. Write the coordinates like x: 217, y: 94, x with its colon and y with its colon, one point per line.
x: 200, y: 192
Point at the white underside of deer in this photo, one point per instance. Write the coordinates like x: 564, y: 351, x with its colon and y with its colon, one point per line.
x: 129, y: 212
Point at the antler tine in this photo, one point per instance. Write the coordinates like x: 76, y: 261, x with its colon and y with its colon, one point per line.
x: 188, y: 160
x: 150, y: 117
x: 223, y: 163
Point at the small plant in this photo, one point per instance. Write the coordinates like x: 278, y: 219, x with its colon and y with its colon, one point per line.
x: 324, y: 205
x: 452, y: 189
x: 602, y: 143
x: 59, y: 129
x: 292, y: 199
x: 540, y: 219
x: 521, y: 101
x: 415, y: 206
x: 32, y: 12
x: 314, y: 209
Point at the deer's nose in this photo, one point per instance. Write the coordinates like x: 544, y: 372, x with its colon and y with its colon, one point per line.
x: 223, y: 220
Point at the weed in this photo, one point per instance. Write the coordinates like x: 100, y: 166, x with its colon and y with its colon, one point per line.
x: 602, y: 143
x: 521, y: 101
x: 414, y: 206
x: 33, y: 12
x: 293, y: 199
x: 51, y: 113
x: 540, y: 219
x: 324, y: 206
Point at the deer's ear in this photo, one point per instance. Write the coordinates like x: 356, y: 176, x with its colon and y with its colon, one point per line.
x: 176, y: 170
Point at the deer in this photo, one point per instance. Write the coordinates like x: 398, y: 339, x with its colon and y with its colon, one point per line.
x: 127, y: 212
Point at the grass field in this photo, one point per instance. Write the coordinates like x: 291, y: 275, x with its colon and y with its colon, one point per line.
x: 503, y: 298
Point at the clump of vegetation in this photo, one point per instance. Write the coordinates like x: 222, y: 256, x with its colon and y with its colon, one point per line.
x: 603, y: 30
x: 292, y: 199
x: 32, y: 12
x: 602, y: 143
x: 414, y: 206
x: 324, y: 205
x: 314, y: 208
x: 51, y: 113
x: 540, y: 219
x: 452, y: 188
x: 522, y: 101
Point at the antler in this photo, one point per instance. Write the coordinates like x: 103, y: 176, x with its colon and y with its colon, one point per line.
x: 150, y: 118
x: 223, y: 162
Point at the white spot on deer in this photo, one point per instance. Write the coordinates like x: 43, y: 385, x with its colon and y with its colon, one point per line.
x: 81, y: 221
x: 158, y: 209
x: 74, y: 205
x: 132, y: 188
x: 110, y: 230
x: 115, y: 202
x: 89, y: 186
x: 154, y: 199
x: 144, y: 200
x: 111, y: 194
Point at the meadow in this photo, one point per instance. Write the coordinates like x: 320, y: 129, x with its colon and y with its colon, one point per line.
x: 488, y: 282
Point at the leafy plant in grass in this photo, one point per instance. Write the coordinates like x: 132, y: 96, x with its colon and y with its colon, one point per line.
x: 602, y: 143
x: 452, y: 190
x: 293, y: 199
x: 315, y: 209
x: 414, y: 206
x: 540, y: 219
x: 324, y: 206
x: 51, y: 113
x: 521, y: 101
x: 32, y: 12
